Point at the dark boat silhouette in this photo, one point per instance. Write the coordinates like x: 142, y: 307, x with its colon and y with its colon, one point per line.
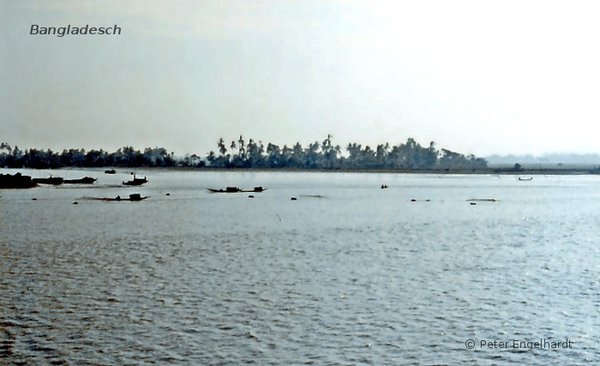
x: 237, y: 190
x: 525, y: 179
x: 16, y: 181
x: 135, y: 181
x: 132, y: 197
x: 55, y: 181
x: 85, y: 180
x: 110, y: 171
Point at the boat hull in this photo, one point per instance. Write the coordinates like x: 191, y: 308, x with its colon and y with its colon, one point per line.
x: 54, y: 181
x: 237, y: 190
x: 135, y: 182
x: 86, y: 180
x: 111, y: 199
x: 132, y: 197
x: 16, y: 181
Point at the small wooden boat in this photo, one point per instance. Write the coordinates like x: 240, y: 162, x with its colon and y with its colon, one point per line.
x: 226, y: 190
x: 110, y: 171
x: 135, y: 181
x: 482, y: 200
x: 525, y: 179
x: 55, y: 181
x: 85, y: 180
x: 16, y: 181
x: 132, y: 197
x: 237, y: 190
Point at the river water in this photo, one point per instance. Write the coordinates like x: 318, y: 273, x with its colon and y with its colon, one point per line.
x: 346, y: 274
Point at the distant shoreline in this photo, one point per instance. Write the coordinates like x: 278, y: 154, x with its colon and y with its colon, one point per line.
x: 592, y: 170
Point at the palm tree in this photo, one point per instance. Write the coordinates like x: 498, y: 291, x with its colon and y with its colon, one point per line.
x: 222, y: 148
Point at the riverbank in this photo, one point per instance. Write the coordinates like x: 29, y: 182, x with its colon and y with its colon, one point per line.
x: 579, y: 170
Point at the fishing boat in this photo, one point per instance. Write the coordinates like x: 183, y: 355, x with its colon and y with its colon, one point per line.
x: 110, y: 171
x: 16, y: 181
x: 237, y: 190
x: 135, y: 181
x: 132, y: 197
x: 522, y: 179
x: 55, y: 181
x: 226, y: 190
x: 85, y: 180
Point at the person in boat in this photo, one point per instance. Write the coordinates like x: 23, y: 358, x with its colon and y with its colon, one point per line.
x: 118, y: 198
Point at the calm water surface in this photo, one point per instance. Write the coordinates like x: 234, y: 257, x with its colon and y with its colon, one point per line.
x: 358, y: 275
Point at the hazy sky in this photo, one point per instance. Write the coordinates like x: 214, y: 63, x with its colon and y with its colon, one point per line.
x: 477, y: 77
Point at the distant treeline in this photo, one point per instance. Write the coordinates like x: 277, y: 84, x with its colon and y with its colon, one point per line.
x: 124, y: 157
x: 324, y: 155
x: 409, y: 156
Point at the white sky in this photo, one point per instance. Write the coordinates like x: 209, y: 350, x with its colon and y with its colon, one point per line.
x: 478, y: 77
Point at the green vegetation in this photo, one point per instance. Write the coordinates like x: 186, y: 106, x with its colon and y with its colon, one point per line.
x: 124, y: 157
x: 409, y: 156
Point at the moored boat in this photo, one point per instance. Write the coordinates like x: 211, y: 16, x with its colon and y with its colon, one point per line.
x: 132, y: 197
x: 237, y: 190
x: 55, y: 181
x: 226, y: 190
x: 84, y: 180
x: 135, y: 181
x: 110, y: 171
x: 16, y: 181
